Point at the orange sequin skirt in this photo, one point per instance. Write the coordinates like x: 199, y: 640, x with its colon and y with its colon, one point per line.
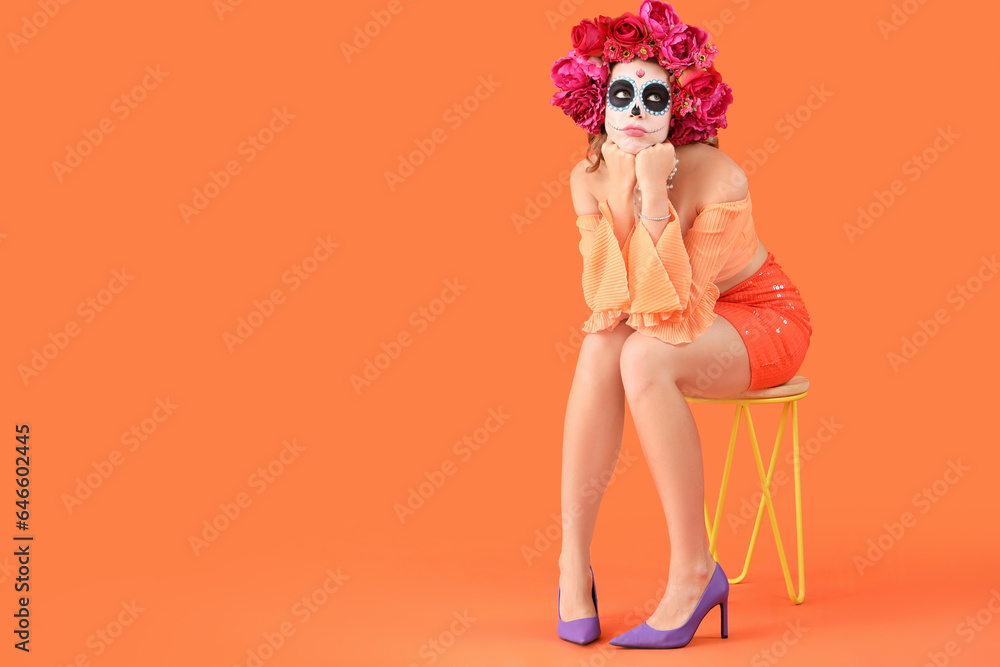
x: 768, y: 311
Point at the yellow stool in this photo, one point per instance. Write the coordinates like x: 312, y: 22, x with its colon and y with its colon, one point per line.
x: 788, y: 394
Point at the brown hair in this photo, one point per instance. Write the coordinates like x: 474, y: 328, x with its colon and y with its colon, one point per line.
x: 597, y: 140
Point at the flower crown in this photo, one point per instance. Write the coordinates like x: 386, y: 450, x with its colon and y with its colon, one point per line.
x: 699, y: 96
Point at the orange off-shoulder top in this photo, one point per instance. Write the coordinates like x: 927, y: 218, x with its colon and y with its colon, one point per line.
x: 668, y: 288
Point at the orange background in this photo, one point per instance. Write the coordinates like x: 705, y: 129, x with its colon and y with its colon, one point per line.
x: 504, y: 341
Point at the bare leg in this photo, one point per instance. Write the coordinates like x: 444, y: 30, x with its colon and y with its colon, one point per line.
x: 653, y: 373
x: 592, y: 439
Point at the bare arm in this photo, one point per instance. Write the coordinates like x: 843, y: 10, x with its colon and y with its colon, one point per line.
x: 605, y: 276
x: 621, y: 173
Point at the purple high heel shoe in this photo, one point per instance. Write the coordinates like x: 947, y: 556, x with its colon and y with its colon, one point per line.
x: 645, y: 636
x: 582, y: 630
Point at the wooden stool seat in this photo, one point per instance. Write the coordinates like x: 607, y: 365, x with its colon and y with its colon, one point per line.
x: 799, y: 384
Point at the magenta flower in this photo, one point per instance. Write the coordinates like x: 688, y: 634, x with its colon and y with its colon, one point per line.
x: 700, y: 96
x: 584, y: 105
x: 682, y: 48
x: 661, y: 17
x: 567, y: 73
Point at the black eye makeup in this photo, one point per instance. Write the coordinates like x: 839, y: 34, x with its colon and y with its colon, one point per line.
x: 621, y: 92
x: 654, y: 96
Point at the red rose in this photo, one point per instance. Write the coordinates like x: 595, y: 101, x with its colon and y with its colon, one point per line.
x: 588, y: 37
x: 628, y: 30
x: 700, y: 82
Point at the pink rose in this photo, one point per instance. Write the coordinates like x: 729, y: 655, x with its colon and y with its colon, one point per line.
x: 567, y: 73
x: 588, y: 36
x: 584, y: 105
x: 661, y: 17
x: 682, y: 48
x: 594, y: 67
x: 693, y: 127
x: 713, y: 109
x: 684, y: 132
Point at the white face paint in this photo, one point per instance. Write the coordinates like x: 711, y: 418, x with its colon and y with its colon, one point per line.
x: 637, y: 112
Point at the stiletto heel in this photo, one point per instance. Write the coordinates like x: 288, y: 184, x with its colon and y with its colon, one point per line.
x: 646, y: 636
x: 582, y: 630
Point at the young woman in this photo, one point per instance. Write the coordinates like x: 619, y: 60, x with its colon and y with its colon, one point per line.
x: 684, y: 297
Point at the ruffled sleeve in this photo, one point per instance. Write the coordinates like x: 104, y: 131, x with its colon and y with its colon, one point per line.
x: 671, y: 283
x: 605, y: 277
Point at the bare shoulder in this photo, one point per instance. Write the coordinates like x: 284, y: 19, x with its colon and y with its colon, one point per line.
x: 720, y: 178
x: 584, y: 201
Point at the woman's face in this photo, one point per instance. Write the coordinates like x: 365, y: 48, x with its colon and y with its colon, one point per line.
x: 638, y: 105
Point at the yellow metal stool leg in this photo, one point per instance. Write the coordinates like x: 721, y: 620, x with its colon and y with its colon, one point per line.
x: 766, y: 501
x: 765, y: 483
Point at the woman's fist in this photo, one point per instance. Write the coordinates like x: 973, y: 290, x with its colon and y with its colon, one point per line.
x: 654, y: 164
x: 621, y: 167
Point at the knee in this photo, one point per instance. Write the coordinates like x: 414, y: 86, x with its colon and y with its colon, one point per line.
x: 606, y: 339
x: 644, y: 363
x: 599, y: 354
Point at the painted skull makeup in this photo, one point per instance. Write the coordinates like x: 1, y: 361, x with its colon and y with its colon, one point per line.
x: 653, y: 97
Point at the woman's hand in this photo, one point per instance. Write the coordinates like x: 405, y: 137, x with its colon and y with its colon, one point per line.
x: 621, y: 170
x: 653, y: 166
